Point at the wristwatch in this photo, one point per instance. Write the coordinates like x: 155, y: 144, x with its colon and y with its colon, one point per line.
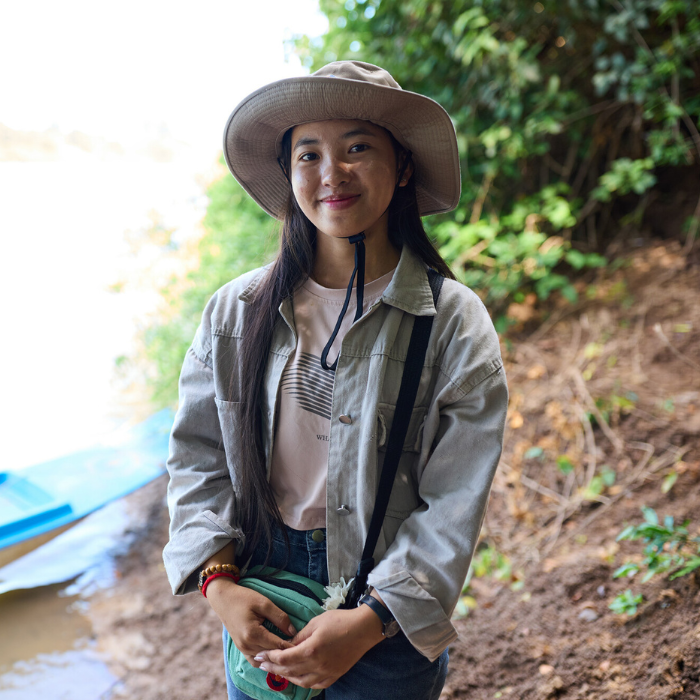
x: 391, y: 627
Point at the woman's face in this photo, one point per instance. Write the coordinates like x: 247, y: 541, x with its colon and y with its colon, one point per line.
x: 343, y: 175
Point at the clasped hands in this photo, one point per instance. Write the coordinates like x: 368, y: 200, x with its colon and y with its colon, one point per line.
x: 328, y: 646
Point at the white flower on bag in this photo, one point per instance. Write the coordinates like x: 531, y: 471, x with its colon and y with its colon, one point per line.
x: 336, y: 594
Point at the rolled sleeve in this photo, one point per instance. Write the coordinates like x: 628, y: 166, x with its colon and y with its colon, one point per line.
x: 421, y: 575
x: 200, y: 493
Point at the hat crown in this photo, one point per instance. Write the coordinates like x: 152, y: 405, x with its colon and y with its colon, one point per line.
x: 357, y: 70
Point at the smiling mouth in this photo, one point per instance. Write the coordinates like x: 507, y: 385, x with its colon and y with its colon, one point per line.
x: 342, y: 201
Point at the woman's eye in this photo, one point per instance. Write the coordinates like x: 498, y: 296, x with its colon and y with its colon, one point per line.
x: 308, y: 156
x: 359, y: 147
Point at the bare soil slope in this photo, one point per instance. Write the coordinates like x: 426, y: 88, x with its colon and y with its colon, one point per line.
x: 611, y: 385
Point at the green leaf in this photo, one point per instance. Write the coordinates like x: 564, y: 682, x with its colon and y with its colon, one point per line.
x: 627, y: 533
x: 650, y: 515
x: 565, y: 465
x: 626, y: 603
x: 691, y: 565
x: 669, y: 481
x: 608, y: 475
x: 629, y: 569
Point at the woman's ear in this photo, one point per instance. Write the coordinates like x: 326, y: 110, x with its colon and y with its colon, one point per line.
x: 405, y: 169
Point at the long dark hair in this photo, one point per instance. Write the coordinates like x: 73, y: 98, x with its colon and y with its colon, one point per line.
x: 257, y: 509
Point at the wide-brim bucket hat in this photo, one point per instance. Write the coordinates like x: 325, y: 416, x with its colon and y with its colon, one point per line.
x: 341, y: 90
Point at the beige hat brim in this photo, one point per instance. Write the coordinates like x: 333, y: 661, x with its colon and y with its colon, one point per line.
x: 254, y: 132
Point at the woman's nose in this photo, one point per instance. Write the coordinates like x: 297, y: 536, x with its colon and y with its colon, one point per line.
x: 335, y: 172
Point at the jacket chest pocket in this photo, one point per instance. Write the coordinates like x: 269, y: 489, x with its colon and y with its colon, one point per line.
x: 414, y: 434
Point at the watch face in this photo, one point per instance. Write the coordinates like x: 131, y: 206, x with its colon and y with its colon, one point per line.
x: 391, y: 628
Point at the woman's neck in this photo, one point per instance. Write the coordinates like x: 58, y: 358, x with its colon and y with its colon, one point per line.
x: 335, y: 259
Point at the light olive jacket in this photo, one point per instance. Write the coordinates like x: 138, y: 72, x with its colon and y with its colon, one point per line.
x: 450, y: 454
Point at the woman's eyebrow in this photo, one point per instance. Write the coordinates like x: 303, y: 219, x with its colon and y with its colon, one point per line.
x: 361, y: 131
x: 309, y: 141
x: 305, y: 141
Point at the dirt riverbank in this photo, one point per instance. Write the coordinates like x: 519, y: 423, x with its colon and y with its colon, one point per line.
x: 607, y: 390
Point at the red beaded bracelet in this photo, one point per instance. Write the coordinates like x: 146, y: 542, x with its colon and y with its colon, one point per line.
x: 233, y: 577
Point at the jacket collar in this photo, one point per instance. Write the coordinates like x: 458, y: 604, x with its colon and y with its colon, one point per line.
x: 248, y: 294
x: 409, y: 289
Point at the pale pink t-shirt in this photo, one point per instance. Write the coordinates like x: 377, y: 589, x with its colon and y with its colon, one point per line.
x: 300, y: 453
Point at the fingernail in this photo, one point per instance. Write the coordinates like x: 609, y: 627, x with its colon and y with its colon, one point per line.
x: 260, y: 657
x: 291, y: 630
x: 264, y: 668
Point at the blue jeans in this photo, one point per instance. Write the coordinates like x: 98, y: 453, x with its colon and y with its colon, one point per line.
x: 391, y: 670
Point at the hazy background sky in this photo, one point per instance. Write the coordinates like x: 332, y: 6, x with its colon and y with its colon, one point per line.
x: 127, y: 75
x: 113, y: 69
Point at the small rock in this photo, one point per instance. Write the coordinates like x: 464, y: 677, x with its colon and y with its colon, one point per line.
x: 552, y: 687
x: 601, y: 591
x: 588, y: 615
x: 546, y: 669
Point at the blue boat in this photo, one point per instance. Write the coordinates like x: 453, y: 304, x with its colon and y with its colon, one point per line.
x: 47, y: 497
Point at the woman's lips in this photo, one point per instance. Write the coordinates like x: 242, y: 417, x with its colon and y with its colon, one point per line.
x: 341, y: 201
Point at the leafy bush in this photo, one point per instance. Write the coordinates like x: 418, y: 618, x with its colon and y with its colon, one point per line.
x: 564, y: 113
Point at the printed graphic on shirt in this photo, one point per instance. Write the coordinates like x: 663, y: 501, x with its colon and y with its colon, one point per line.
x: 311, y: 386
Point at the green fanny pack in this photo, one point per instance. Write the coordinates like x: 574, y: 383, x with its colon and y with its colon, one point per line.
x: 302, y: 599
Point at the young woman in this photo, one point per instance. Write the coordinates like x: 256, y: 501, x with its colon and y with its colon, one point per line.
x: 288, y: 392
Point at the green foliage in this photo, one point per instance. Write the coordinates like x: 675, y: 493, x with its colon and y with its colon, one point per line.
x: 507, y: 257
x: 626, y: 603
x: 489, y: 562
x: 563, y: 111
x: 669, y: 481
x: 237, y: 238
x: 625, y: 176
x: 486, y: 563
x: 614, y: 406
x: 599, y: 483
x: 565, y: 465
x: 669, y: 549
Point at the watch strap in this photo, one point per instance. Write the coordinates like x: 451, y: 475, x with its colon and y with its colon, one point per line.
x: 382, y: 613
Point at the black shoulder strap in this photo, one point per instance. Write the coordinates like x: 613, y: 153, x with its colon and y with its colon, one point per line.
x: 418, y: 346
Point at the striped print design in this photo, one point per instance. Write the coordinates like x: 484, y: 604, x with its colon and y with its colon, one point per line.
x: 310, y: 385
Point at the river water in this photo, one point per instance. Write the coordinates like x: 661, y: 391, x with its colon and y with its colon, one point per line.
x: 66, y: 238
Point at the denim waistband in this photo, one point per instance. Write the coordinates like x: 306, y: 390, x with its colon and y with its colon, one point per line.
x: 306, y: 556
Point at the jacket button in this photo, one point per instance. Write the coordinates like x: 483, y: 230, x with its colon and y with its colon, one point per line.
x: 343, y: 510
x: 345, y: 419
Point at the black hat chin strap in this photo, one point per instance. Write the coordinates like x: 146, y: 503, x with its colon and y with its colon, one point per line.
x: 359, y: 241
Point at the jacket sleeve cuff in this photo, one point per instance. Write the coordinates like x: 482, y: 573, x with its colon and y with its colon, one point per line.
x: 419, y: 614
x: 192, y: 545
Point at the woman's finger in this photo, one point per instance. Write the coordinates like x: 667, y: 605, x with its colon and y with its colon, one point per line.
x: 251, y: 660
x: 257, y: 639
x: 265, y: 641
x: 288, y: 663
x: 277, y: 617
